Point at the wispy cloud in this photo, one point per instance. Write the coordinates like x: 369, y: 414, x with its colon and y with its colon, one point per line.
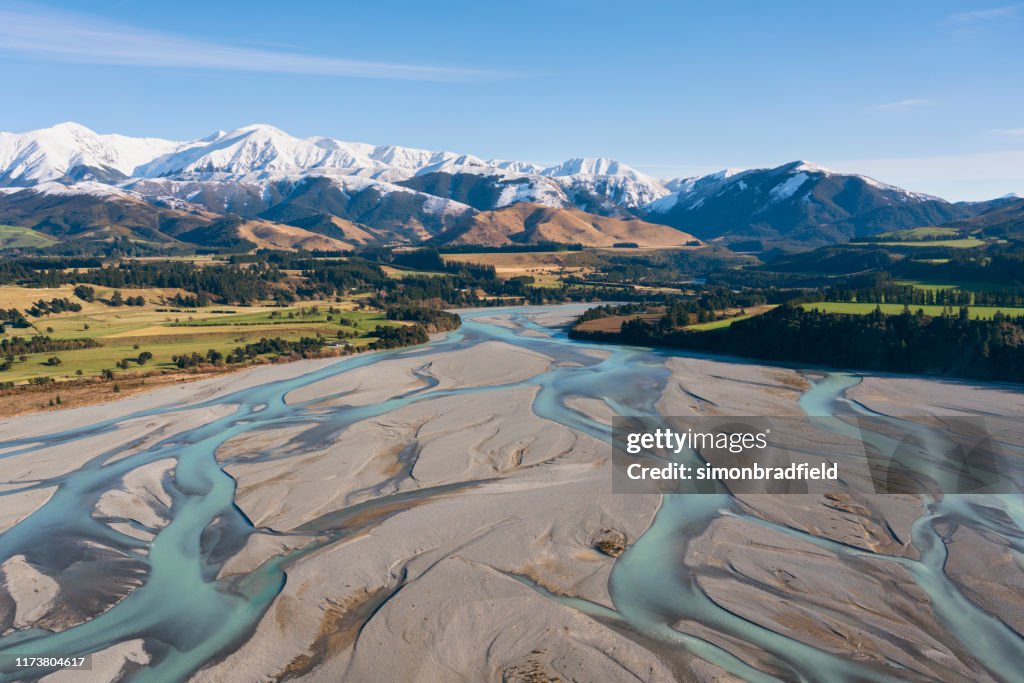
x: 983, y: 16
x: 74, y: 38
x: 1011, y: 132
x: 972, y: 24
x: 899, y: 105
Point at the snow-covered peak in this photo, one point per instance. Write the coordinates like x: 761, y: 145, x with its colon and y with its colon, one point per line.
x: 516, y: 166
x: 464, y: 163
x: 68, y: 128
x: 723, y: 174
x: 806, y: 167
x: 261, y: 128
x: 215, y: 135
x: 268, y: 151
x: 50, y: 153
x: 615, y: 183
x: 593, y: 166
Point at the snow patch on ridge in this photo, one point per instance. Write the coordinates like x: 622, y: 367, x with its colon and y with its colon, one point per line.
x: 789, y: 187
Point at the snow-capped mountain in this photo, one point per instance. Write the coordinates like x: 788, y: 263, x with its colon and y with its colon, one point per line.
x: 258, y: 153
x: 600, y: 185
x: 53, y: 153
x: 797, y: 202
x: 409, y: 194
x: 261, y: 151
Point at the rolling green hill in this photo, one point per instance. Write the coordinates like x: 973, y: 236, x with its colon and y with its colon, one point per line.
x: 17, y: 237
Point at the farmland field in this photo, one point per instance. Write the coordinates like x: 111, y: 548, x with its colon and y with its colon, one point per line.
x: 930, y: 232
x: 923, y: 237
x: 942, y: 286
x: 983, y: 312
x: 959, y: 243
x: 401, y: 273
x: 613, y: 323
x: 126, y: 331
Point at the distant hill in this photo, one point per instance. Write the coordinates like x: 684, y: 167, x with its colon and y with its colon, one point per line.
x: 94, y: 212
x: 1004, y: 219
x: 799, y: 204
x: 531, y: 223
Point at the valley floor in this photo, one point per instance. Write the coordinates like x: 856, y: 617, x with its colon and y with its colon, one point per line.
x: 438, y: 513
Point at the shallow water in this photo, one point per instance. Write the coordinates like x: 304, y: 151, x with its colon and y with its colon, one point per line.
x: 188, y: 617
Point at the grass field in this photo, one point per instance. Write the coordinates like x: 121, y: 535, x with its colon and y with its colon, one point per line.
x: 931, y: 236
x: 614, y: 323
x: 402, y: 273
x: 126, y: 331
x: 16, y: 237
x: 930, y: 232
x: 962, y: 243
x: 283, y: 316
x: 717, y: 324
x: 735, y: 315
x: 927, y: 286
x: 964, y: 287
x: 983, y: 312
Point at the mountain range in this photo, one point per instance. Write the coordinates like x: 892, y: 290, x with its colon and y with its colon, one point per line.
x: 261, y: 186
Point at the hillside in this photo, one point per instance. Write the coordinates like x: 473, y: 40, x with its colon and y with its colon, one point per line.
x: 799, y: 203
x: 51, y: 213
x: 1005, y: 219
x: 531, y: 223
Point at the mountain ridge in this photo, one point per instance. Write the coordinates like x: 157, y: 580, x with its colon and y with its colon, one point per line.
x: 409, y: 195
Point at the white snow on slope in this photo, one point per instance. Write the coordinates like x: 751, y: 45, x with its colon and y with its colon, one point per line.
x: 90, y: 188
x: 545, y: 194
x: 49, y: 153
x: 594, y: 166
x: 788, y: 188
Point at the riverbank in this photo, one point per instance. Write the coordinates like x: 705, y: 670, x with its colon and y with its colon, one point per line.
x: 76, y: 393
x: 49, y: 398
x: 909, y: 344
x: 31, y: 398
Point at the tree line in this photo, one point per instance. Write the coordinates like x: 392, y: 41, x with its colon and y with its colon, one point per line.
x: 887, y: 291
x: 911, y: 342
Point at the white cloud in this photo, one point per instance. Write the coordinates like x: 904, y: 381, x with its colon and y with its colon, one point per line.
x: 984, y: 15
x: 66, y: 37
x: 972, y: 25
x: 899, y: 105
x: 1011, y: 132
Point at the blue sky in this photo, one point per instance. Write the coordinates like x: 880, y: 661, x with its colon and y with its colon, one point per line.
x: 927, y: 95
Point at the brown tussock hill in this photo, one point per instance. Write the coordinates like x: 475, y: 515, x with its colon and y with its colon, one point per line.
x: 526, y: 223
x: 267, y: 235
